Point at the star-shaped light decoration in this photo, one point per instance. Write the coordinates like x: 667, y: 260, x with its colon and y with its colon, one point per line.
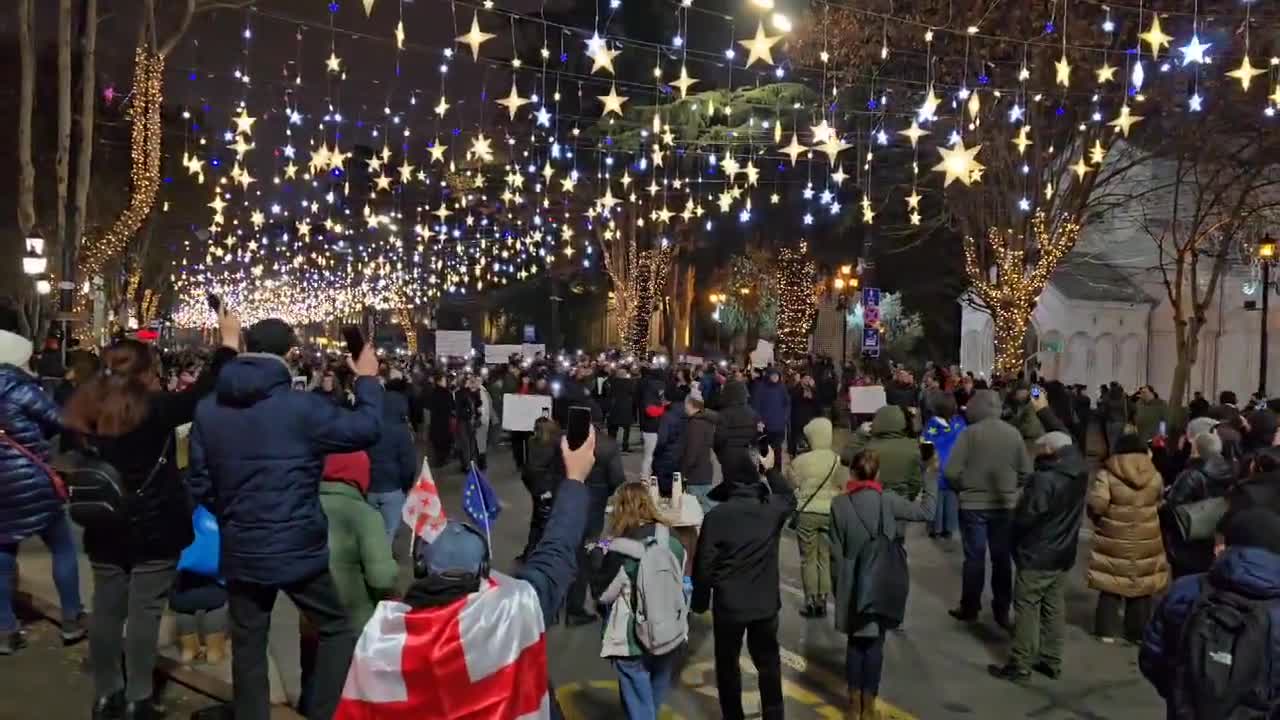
x: 513, y: 101
x: 245, y: 179
x: 600, y: 54
x: 794, y: 150
x: 913, y: 200
x: 240, y: 147
x: 760, y: 47
x: 1062, y: 71
x: 664, y: 215
x: 442, y: 212
x: 913, y: 133
x: 725, y: 201
x: 929, y: 108
x: 368, y: 7
x: 567, y: 182
x: 684, y: 82
x: 1097, y: 153
x: 1023, y: 141
x: 217, y: 204
x: 613, y: 101
x: 1080, y: 168
x: 442, y: 107
x: 382, y: 183
x: 437, y: 150
x: 1274, y: 97
x: 334, y: 63
x: 839, y: 176
x: 474, y: 38
x: 1246, y: 73
x: 868, y: 215
x: 1193, y: 52
x: 730, y: 166
x: 1124, y: 120
x: 542, y: 116
x: 481, y: 148
x: 244, y: 123
x: 374, y: 163
x: 291, y: 171
x: 1155, y: 38
x: 821, y: 132
x: 1106, y: 73
x: 303, y: 228
x: 337, y: 158
x: 406, y: 172
x: 753, y: 173
x: 607, y: 201
x: 319, y: 159
x: 257, y: 218
x: 833, y: 147
x: 400, y: 35
x: 958, y: 163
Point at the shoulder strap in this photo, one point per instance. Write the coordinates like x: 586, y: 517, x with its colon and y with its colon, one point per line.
x: 160, y: 462
x: 825, y: 480
x: 58, y: 486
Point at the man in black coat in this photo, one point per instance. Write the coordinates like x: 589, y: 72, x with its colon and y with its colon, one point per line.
x: 739, y: 425
x: 650, y: 403
x: 736, y: 575
x: 606, y: 476
x: 620, y: 399
x: 1045, y: 533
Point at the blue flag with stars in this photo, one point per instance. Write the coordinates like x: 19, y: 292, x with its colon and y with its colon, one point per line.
x: 479, y: 500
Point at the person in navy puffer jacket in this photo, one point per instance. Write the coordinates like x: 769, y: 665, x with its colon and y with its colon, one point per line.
x: 392, y: 461
x: 772, y: 402
x: 257, y: 454
x: 29, y: 504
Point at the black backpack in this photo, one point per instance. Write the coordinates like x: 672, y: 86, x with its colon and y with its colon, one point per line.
x: 97, y: 495
x: 881, y: 577
x: 1222, y: 669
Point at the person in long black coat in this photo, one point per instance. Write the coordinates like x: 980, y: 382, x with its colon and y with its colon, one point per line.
x: 621, y: 401
x: 804, y: 407
x: 441, y: 404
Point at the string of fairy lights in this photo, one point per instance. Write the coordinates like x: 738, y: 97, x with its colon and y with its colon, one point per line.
x: 317, y: 209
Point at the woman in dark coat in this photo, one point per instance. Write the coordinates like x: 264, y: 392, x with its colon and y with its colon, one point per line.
x: 540, y: 473
x: 621, y: 393
x: 131, y: 423
x: 804, y: 407
x: 441, y: 405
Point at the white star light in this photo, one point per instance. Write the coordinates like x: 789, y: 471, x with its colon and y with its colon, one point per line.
x: 1193, y: 52
x: 1016, y: 113
x: 542, y: 117
x: 1194, y: 102
x: 808, y: 218
x: 295, y: 117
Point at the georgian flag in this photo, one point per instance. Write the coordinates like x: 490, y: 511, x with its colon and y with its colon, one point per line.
x: 423, y: 512
x: 482, y: 657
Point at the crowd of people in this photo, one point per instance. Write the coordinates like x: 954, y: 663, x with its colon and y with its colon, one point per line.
x: 307, y: 489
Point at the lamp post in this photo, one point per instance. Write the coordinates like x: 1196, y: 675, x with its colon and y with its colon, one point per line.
x: 1266, y: 256
x: 718, y: 299
x: 844, y: 284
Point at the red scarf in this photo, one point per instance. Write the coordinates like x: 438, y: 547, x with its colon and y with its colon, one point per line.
x: 854, y: 486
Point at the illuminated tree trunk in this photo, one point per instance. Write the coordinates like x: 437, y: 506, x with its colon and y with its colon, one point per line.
x: 1010, y: 333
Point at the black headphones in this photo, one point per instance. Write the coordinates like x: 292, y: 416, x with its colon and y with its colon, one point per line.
x: 420, y: 553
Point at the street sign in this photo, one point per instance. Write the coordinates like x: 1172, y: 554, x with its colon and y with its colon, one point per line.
x: 870, y: 297
x: 530, y: 333
x: 871, y: 315
x: 870, y: 340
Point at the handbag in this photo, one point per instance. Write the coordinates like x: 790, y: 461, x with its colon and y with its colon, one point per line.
x: 794, y: 521
x: 202, y: 556
x: 881, y: 577
x: 1199, y: 520
x: 98, y: 496
x: 59, y: 487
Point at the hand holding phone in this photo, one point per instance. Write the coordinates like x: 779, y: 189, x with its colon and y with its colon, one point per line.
x: 579, y: 426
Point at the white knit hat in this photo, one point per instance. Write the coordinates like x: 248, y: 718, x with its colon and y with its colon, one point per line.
x: 14, y: 349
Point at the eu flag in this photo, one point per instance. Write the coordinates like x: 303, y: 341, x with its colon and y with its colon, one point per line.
x: 479, y: 500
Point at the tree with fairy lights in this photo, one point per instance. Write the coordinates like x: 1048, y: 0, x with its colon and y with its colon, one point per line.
x: 797, y: 296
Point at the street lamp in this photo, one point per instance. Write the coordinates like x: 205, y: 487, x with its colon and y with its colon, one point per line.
x: 844, y: 283
x: 1266, y: 256
x: 34, y: 262
x: 718, y: 299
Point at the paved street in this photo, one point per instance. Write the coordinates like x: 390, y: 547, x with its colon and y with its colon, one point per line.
x: 935, y: 669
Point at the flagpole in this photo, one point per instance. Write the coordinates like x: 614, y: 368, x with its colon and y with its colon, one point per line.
x: 483, y: 506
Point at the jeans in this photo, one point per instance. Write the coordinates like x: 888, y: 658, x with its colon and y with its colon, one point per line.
x: 251, y: 606
x: 626, y: 435
x: 137, y: 596
x: 642, y: 684
x: 946, y: 519
x: 1107, y: 619
x: 864, y: 663
x: 700, y: 492
x: 775, y: 441
x: 1039, y: 600
x: 815, y: 555
x: 762, y: 644
x: 646, y: 462
x: 984, y: 530
x: 204, y: 622
x: 389, y: 504
x: 66, y: 572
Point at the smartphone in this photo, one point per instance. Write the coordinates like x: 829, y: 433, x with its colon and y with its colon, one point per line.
x: 762, y: 445
x: 215, y: 303
x: 1035, y: 391
x: 355, y: 340
x: 579, y: 426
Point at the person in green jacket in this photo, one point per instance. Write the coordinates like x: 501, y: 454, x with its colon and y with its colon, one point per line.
x: 1149, y: 412
x: 818, y: 477
x: 900, y: 462
x: 360, y: 558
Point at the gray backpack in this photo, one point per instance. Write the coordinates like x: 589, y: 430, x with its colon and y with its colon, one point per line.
x: 657, y: 596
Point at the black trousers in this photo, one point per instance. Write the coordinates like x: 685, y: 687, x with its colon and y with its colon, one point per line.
x: 1118, y: 616
x: 519, y: 443
x: 762, y: 645
x: 626, y: 435
x: 250, y: 606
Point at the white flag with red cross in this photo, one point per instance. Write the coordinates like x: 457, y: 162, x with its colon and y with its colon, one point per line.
x: 423, y: 512
x: 481, y: 657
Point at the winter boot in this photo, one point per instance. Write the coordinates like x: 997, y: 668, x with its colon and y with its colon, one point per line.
x: 215, y: 650
x: 869, y: 709
x: 190, y: 646
x: 854, y: 712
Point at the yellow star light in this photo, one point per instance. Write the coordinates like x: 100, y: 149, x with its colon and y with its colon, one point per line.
x: 442, y: 212
x: 914, y: 133
x: 244, y: 123
x: 1246, y: 73
x: 240, y: 147
x: 607, y: 201
x: 480, y: 148
x: 291, y: 171
x: 958, y: 162
x: 1023, y: 140
x: 567, y: 182
x: 795, y: 149
x: 1155, y: 37
x: 1106, y: 73
x: 303, y: 228
x: 319, y: 159
x: 337, y: 158
x: 613, y: 101
x: 724, y: 200
x: 1097, y: 153
x: 400, y: 35
x: 600, y: 54
x: 1274, y: 97
x: 913, y: 200
x: 929, y: 108
x: 406, y: 172
x: 217, y: 204
x: 839, y: 176
x: 257, y: 218
x: 821, y: 132
x: 760, y: 47
x: 1063, y: 70
x: 244, y: 179
x: 730, y: 165
x: 437, y: 151
x: 914, y: 217
x: 684, y: 82
x: 374, y: 163
x: 664, y: 215
x: 442, y: 107
x: 868, y: 215
x: 474, y: 38
x: 334, y: 63
x: 1124, y: 120
x: 832, y: 148
x: 753, y: 173
x: 381, y: 183
x: 513, y: 102
x: 1081, y: 167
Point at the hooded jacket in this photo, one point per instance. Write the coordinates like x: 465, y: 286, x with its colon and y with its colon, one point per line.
x: 671, y: 429
x: 29, y: 417
x: 392, y: 460
x: 1203, y: 478
x: 695, y: 454
x: 737, y: 427
x: 257, y: 450
x: 817, y: 473
x: 1046, y: 521
x: 899, y: 453
x: 360, y: 561
x: 989, y: 460
x: 772, y: 402
x: 1127, y: 558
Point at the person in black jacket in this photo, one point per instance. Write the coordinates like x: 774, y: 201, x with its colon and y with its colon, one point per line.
x: 666, y: 454
x: 735, y: 574
x: 695, y: 451
x: 606, y: 476
x: 651, y: 406
x: 541, y: 469
x: 739, y: 425
x: 1207, y: 475
x: 441, y: 404
x: 124, y: 415
x: 393, y: 462
x: 804, y: 407
x: 1045, y: 533
x: 620, y: 398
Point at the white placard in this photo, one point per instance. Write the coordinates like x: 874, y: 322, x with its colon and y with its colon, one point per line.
x: 532, y: 350
x: 500, y: 354
x: 763, y: 354
x: 453, y: 343
x: 693, y: 360
x: 866, y: 400
x: 519, y: 412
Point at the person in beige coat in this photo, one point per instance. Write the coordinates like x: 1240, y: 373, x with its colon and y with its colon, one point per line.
x: 818, y: 477
x: 1127, y: 564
